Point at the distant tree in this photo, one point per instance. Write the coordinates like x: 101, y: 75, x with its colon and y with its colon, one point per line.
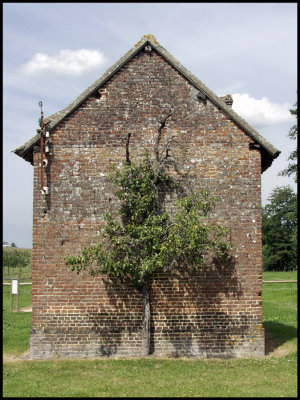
x: 279, y: 230
x: 15, y: 258
x: 13, y: 245
x: 292, y: 169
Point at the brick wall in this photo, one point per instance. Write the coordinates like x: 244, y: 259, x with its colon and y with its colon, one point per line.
x: 214, y: 313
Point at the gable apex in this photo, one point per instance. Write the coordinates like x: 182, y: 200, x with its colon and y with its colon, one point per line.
x: 269, y: 151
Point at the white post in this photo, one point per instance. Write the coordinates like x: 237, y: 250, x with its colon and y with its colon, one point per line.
x: 14, y: 290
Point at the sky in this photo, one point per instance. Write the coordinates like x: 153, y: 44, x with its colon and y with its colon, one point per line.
x: 53, y: 51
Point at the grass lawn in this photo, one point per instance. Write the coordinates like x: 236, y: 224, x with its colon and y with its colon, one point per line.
x: 280, y: 276
x: 152, y: 378
x: 280, y: 311
x: 16, y: 325
x: 272, y: 376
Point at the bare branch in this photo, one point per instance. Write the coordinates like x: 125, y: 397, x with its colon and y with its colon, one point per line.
x: 127, y: 149
x: 162, y: 125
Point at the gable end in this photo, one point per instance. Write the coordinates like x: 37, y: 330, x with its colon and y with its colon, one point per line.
x: 149, y: 42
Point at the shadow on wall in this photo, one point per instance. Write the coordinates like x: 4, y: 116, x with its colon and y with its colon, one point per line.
x: 191, y: 312
x: 208, y: 322
x: 120, y: 319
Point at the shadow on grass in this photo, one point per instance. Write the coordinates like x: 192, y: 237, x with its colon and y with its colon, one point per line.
x: 277, y: 334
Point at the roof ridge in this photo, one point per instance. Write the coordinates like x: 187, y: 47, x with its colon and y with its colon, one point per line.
x: 54, y: 119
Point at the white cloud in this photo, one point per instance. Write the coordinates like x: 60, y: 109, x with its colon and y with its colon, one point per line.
x: 68, y: 62
x: 260, y: 112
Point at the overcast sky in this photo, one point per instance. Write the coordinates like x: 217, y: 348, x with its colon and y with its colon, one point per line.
x: 54, y: 51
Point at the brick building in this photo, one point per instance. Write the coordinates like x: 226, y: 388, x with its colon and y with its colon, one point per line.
x: 217, y: 313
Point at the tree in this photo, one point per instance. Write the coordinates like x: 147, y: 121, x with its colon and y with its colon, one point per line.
x: 279, y: 230
x: 146, y: 237
x: 292, y: 167
x: 13, y: 245
x: 15, y: 258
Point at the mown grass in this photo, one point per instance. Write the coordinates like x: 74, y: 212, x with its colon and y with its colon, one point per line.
x: 264, y: 377
x: 152, y: 378
x: 280, y: 309
x: 280, y: 275
x: 16, y: 325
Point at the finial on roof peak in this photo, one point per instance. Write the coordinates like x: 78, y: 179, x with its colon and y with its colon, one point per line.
x: 148, y: 36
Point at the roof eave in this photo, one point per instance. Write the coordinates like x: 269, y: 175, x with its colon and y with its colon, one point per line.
x: 25, y: 151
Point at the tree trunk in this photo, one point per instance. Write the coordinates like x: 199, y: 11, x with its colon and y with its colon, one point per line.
x: 146, y: 318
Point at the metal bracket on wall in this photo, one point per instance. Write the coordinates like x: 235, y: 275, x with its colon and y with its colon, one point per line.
x: 201, y: 95
x: 254, y: 146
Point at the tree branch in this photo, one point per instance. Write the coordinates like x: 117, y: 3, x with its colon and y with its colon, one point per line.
x: 162, y: 125
x: 127, y: 149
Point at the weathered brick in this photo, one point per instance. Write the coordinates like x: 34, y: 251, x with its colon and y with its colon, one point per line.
x: 213, y: 313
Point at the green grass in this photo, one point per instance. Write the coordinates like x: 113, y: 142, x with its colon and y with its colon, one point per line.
x: 280, y: 275
x: 16, y: 325
x: 265, y: 377
x: 280, y: 309
x: 25, y: 298
x: 152, y: 378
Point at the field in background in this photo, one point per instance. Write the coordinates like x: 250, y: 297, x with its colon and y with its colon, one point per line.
x: 16, y: 325
x: 280, y: 275
x: 272, y: 376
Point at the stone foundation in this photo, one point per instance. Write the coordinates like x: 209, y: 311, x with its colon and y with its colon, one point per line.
x: 90, y: 345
